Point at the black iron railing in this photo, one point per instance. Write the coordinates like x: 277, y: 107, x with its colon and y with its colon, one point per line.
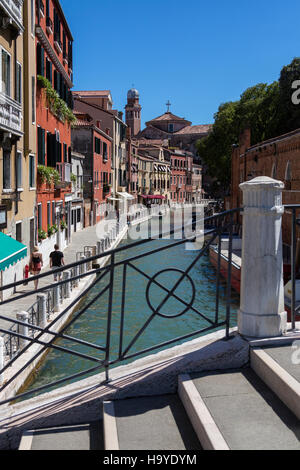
x: 217, y: 226
x: 293, y: 210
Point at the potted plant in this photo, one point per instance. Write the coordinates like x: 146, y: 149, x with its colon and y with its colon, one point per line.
x: 42, y: 235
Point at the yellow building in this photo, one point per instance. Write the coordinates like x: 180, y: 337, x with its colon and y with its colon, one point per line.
x: 17, y: 120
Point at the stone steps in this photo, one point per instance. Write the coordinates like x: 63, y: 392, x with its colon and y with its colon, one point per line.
x: 255, y: 408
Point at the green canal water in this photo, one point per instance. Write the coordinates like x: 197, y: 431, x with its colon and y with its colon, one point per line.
x: 91, y: 326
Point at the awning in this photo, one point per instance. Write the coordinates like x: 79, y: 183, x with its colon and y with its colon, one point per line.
x: 11, y: 251
x: 126, y: 195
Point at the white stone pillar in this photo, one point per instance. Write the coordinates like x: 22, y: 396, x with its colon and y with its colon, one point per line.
x: 23, y: 329
x: 67, y: 277
x: 42, y: 310
x: 76, y: 273
x: 262, y: 313
x: 56, y: 298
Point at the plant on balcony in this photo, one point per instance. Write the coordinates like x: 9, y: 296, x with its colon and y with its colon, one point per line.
x: 56, y: 104
x: 52, y: 230
x: 63, y: 225
x: 42, y: 235
x: 48, y: 175
x: 73, y: 178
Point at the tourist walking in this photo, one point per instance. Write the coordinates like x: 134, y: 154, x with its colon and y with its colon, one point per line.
x: 35, y: 264
x: 56, y: 261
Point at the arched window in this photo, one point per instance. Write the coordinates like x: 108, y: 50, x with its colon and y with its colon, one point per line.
x: 274, y: 172
x: 288, y: 176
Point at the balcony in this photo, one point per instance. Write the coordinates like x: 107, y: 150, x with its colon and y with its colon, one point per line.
x: 42, y: 8
x: 13, y: 10
x: 65, y: 58
x: 64, y: 170
x: 10, y: 115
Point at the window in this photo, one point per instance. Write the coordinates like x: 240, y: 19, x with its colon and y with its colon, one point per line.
x: 19, y: 83
x: 33, y: 98
x: 31, y: 171
x: 97, y: 145
x: 19, y: 232
x: 65, y: 153
x: 5, y: 63
x: 48, y: 214
x: 6, y: 170
x: 39, y: 216
x: 49, y: 71
x: 170, y: 127
x: 19, y: 170
x: 40, y: 60
x: 41, y: 146
x: 53, y: 213
x: 32, y: 16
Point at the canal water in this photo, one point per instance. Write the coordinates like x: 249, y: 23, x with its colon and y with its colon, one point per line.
x: 92, y: 325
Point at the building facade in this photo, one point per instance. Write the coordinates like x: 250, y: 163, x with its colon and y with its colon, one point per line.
x: 54, y: 74
x: 96, y: 147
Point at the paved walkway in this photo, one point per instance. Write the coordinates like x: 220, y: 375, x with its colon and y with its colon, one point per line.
x: 86, y: 237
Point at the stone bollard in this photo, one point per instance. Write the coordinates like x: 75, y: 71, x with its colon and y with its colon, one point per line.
x: 262, y: 313
x: 56, y: 298
x: 76, y: 273
x: 83, y: 266
x: 23, y: 329
x: 88, y: 254
x: 2, y: 349
x: 67, y: 277
x: 42, y: 310
x: 99, y: 245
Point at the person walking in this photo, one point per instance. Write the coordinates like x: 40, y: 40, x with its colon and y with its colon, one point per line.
x: 56, y: 261
x: 35, y: 264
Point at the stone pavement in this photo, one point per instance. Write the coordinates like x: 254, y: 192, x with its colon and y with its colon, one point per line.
x: 86, y: 237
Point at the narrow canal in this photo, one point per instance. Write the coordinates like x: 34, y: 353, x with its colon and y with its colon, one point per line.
x: 91, y: 326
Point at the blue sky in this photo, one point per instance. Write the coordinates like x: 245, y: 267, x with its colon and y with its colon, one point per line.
x: 197, y: 54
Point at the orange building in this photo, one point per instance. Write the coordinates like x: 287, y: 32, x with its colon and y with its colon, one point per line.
x: 54, y: 43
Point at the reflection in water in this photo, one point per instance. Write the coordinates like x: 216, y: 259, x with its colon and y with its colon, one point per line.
x: 92, y: 325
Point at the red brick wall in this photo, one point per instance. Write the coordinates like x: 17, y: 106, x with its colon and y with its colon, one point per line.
x: 269, y: 158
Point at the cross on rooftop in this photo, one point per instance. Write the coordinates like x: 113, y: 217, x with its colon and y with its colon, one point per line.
x: 168, y: 104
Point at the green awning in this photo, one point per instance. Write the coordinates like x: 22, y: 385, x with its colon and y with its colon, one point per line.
x: 11, y: 251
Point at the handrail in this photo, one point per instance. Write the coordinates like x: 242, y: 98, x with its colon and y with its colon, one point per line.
x: 222, y: 222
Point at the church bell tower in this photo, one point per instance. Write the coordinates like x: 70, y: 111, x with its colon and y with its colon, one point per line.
x: 133, y: 111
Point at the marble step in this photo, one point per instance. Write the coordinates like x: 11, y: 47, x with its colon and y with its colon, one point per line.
x: 279, y: 367
x: 148, y: 423
x: 236, y: 410
x: 76, y: 437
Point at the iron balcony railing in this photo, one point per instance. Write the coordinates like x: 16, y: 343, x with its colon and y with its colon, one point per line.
x: 104, y: 278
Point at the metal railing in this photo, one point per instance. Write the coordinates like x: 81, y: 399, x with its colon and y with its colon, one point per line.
x: 295, y: 222
x: 220, y: 223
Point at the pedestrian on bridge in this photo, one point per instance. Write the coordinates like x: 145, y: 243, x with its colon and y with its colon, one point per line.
x: 35, y: 264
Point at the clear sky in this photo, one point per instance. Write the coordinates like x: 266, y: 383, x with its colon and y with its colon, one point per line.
x: 195, y: 53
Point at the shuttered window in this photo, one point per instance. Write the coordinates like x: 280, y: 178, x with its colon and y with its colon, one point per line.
x: 41, y: 146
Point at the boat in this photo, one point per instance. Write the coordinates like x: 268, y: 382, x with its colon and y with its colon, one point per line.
x: 237, y: 269
x: 236, y: 260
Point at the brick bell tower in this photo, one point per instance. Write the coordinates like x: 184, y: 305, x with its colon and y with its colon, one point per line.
x: 133, y: 111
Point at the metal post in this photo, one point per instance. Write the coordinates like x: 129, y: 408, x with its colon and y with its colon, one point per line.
x: 67, y: 277
x: 42, y: 310
x: 22, y: 329
x: 1, y: 358
x: 109, y: 316
x: 293, y: 266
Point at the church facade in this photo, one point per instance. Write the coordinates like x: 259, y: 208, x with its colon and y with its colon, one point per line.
x: 174, y: 133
